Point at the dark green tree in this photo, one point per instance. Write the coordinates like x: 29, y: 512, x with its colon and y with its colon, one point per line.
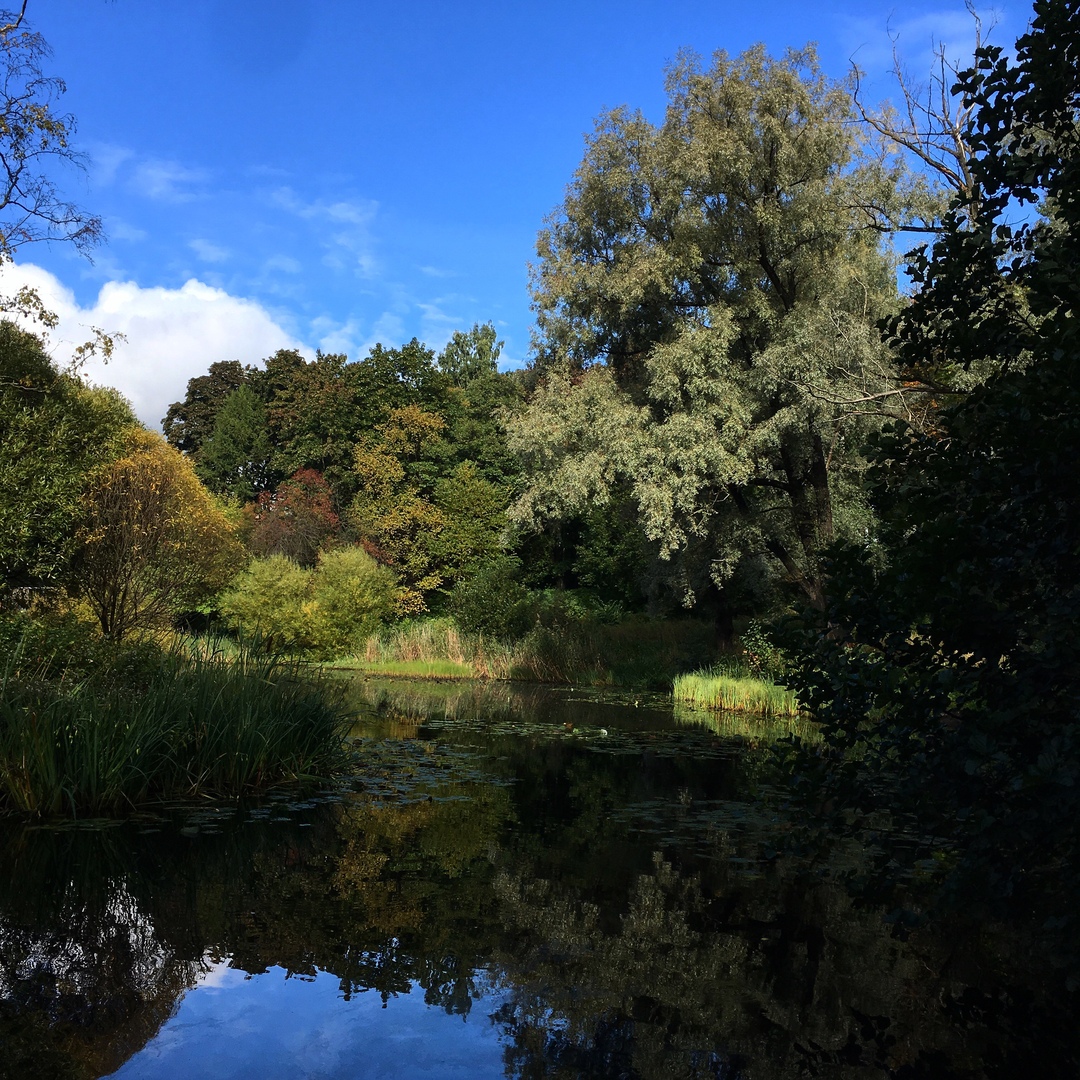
x: 235, y: 459
x: 189, y: 423
x: 947, y: 683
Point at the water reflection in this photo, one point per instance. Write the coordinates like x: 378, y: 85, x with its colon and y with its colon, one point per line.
x: 525, y: 898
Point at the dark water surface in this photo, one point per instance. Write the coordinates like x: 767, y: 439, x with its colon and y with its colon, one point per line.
x: 522, y: 883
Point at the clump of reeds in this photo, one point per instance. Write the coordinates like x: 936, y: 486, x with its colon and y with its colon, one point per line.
x: 718, y: 689
x: 176, y: 722
x: 634, y: 652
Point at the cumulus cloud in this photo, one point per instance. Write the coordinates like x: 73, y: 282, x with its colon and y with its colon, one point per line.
x: 172, y: 334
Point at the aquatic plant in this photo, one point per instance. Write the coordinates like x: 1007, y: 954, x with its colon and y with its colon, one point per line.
x: 162, y: 723
x: 720, y: 689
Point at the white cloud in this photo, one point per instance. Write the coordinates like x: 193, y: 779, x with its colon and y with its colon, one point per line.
x: 172, y: 334
x: 337, y: 337
x: 284, y: 263
x: 167, y: 181
x: 917, y: 40
x: 346, y: 248
x: 106, y: 160
x: 209, y: 252
x: 118, y: 229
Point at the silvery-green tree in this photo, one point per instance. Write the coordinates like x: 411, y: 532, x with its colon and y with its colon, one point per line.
x: 707, y: 298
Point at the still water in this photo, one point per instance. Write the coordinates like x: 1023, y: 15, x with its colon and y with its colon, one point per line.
x: 521, y: 882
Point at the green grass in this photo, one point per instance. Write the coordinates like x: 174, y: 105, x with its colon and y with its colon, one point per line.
x: 151, y: 724
x: 719, y: 690
x: 408, y: 669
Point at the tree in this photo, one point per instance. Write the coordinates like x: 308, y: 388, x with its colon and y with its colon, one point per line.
x: 474, y: 512
x: 189, y: 423
x: 325, y: 611
x: 469, y: 355
x: 945, y: 673
x: 54, y: 434
x: 392, y: 511
x: 296, y: 520
x: 235, y: 459
x: 34, y: 137
x: 706, y: 299
x: 153, y: 542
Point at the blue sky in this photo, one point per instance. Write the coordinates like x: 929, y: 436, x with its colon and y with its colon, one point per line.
x: 328, y: 174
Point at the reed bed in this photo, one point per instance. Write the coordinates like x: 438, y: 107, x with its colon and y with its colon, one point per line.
x: 178, y: 722
x: 636, y: 652
x: 719, y: 690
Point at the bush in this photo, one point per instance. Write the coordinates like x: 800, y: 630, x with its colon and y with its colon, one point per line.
x: 323, y: 612
x: 493, y: 601
x: 350, y: 596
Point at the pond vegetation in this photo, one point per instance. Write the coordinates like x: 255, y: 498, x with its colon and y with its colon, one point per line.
x: 134, y: 725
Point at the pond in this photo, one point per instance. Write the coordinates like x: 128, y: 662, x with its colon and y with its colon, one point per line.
x: 521, y: 882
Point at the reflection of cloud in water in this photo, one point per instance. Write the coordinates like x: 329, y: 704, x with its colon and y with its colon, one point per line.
x: 220, y: 975
x: 271, y: 1026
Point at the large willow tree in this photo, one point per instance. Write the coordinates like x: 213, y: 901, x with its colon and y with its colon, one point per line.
x: 706, y: 303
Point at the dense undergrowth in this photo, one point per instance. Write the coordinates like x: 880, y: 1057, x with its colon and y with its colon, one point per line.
x: 87, y: 727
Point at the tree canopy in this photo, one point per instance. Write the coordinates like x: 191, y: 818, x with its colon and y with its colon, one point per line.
x: 706, y: 299
x: 54, y: 436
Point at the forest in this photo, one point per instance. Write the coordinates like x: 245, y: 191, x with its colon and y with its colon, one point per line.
x: 756, y: 437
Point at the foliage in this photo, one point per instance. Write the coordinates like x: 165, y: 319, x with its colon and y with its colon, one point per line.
x: 324, y: 612
x: 431, y: 528
x: 351, y: 595
x: 235, y: 459
x: 706, y: 300
x: 54, y: 434
x: 946, y: 683
x: 492, y: 600
x: 267, y: 602
x: 319, y: 410
x: 296, y: 520
x: 192, y: 722
x: 474, y: 512
x: 152, y: 540
x: 572, y: 648
x: 470, y: 355
x: 189, y: 423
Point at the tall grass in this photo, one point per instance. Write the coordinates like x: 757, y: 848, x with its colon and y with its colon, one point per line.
x: 177, y: 722
x: 718, y: 688
x: 636, y: 652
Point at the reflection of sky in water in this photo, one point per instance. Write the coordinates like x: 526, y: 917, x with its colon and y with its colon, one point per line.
x: 267, y: 1027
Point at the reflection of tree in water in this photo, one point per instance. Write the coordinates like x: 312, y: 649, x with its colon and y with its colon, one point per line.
x: 702, y: 962
x: 101, y: 933
x: 704, y: 978
x: 85, y: 979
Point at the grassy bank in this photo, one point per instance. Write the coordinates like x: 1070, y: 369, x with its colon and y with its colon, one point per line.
x: 636, y: 652
x: 150, y: 723
x: 724, y: 690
